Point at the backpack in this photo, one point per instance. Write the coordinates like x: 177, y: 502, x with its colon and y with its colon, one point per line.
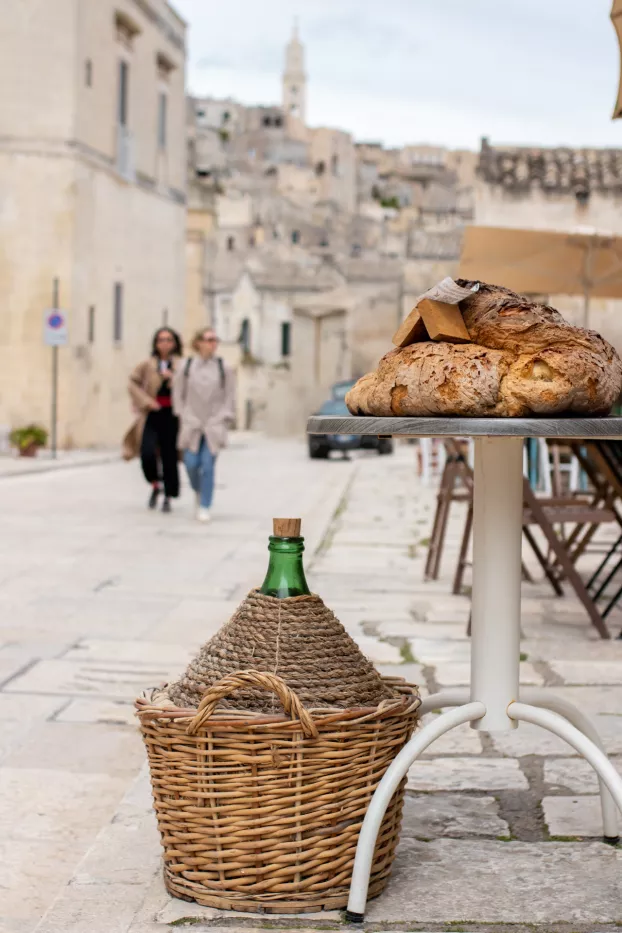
x: 221, y: 370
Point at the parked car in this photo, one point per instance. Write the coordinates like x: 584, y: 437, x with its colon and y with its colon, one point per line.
x: 339, y: 390
x: 320, y: 445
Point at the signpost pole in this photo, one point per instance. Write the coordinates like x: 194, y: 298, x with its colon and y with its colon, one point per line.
x: 55, y: 335
x: 53, y: 431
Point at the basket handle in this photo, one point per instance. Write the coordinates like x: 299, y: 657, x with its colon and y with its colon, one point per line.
x: 289, y: 700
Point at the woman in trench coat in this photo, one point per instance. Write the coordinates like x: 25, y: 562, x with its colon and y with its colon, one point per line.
x: 153, y: 435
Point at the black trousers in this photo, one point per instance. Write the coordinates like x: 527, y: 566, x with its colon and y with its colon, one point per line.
x: 158, y: 450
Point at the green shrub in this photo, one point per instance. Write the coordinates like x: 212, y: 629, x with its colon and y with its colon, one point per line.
x: 31, y: 434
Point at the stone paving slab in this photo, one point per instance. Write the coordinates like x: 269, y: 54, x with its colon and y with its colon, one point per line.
x: 435, y: 651
x: 433, y: 815
x: 531, y: 740
x: 460, y: 741
x: 396, y: 628
x: 557, y: 631
x: 91, y: 650
x: 379, y: 651
x: 569, y: 817
x: 385, y: 588
x: 13, y: 735
x: 369, y: 610
x: 20, y: 709
x: 367, y: 557
x: 574, y: 774
x: 40, y: 648
x: 469, y: 881
x: 593, y: 700
x: 10, y: 667
x: 112, y: 679
x: 412, y: 673
x: 199, y: 612
x: 79, y: 747
x: 458, y: 674
x: 582, y: 649
x: 438, y: 631
x: 47, y: 818
x: 459, y: 615
x: 353, y: 537
x: 443, y: 774
x: 432, y: 607
x: 589, y: 672
x: 115, y: 712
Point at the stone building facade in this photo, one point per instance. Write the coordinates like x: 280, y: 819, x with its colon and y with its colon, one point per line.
x: 92, y: 194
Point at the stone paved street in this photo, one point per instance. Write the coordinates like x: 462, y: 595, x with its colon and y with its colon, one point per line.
x: 101, y: 598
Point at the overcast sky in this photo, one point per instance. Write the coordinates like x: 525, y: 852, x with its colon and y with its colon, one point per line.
x: 439, y: 71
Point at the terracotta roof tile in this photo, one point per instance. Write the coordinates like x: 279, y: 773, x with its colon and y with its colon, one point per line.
x: 556, y: 170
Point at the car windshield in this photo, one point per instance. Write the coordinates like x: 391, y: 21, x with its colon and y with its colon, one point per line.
x: 340, y: 389
x: 334, y: 407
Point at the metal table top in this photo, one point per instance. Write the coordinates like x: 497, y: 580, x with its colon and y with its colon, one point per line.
x: 596, y: 428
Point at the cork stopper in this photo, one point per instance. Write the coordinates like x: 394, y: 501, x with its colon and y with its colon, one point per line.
x: 286, y: 527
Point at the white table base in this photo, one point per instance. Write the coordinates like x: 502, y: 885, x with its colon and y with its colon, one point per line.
x: 493, y: 702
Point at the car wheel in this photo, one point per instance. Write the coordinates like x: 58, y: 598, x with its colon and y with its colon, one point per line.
x: 318, y: 451
x: 385, y: 446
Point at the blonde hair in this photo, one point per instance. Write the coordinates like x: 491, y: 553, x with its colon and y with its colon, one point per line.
x: 199, y: 335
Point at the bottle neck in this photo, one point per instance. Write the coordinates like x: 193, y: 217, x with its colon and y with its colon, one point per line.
x: 286, y: 575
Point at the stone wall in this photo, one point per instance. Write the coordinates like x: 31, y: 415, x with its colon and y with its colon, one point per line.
x: 542, y: 210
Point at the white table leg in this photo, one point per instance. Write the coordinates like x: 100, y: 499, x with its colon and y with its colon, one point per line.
x: 497, y: 538
x: 382, y: 797
x: 559, y: 726
x: 546, y: 699
x: 454, y: 697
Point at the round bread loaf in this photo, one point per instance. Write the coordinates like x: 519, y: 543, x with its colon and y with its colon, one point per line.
x: 525, y: 359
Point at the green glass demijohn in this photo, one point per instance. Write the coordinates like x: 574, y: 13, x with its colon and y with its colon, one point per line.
x: 286, y: 574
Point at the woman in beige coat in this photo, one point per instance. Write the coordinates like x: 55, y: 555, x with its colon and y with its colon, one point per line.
x: 154, y: 433
x: 204, y: 400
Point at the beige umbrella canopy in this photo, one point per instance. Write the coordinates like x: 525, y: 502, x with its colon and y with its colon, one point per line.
x: 616, y: 18
x: 544, y: 262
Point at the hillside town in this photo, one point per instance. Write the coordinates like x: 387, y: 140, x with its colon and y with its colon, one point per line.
x: 302, y: 246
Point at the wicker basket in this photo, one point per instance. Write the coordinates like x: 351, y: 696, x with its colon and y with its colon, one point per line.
x: 262, y: 811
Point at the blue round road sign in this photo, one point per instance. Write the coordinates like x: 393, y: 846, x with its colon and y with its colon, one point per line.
x: 55, y: 320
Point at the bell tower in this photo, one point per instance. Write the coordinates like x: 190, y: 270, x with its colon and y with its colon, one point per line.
x: 294, y: 78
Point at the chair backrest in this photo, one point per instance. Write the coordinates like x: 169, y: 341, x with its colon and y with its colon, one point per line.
x: 432, y: 458
x: 556, y: 461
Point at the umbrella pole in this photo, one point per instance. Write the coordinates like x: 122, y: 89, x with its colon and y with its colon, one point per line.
x: 587, y: 282
x: 586, y: 307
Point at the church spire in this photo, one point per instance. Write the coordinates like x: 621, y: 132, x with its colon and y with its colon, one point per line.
x: 294, y: 77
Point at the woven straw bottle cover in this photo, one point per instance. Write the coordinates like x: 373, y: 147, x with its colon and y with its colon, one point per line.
x: 284, y: 630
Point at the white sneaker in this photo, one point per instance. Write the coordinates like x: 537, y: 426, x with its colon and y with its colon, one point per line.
x: 203, y: 514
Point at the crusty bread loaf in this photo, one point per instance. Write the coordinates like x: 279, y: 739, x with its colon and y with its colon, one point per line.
x: 525, y: 359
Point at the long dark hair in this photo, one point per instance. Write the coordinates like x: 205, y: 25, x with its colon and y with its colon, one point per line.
x: 178, y: 350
